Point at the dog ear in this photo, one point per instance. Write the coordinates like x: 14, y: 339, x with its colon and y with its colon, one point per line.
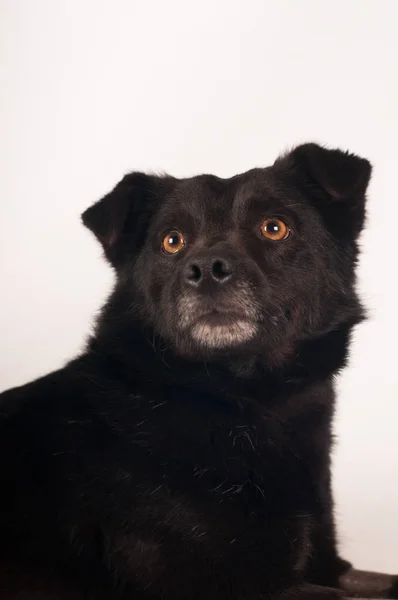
x: 118, y: 219
x: 336, y: 180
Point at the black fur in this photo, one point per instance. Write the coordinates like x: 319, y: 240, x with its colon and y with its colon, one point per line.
x: 183, y: 456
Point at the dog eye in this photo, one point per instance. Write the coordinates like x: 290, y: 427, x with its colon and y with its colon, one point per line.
x: 173, y: 242
x: 275, y: 229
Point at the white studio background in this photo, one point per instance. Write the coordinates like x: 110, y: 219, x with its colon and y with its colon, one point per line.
x: 90, y: 89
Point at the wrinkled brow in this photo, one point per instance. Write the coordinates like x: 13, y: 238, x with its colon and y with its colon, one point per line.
x: 249, y: 190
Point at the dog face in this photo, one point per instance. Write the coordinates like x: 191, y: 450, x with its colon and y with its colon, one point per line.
x: 249, y: 265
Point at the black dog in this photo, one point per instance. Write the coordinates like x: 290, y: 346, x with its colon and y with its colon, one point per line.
x: 185, y: 454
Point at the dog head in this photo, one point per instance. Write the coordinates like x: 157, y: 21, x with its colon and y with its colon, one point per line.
x: 249, y: 265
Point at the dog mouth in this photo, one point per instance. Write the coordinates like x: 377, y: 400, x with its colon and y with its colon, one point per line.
x: 218, y: 318
x: 218, y: 329
x: 220, y: 322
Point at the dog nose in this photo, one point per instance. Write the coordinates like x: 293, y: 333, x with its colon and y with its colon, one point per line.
x: 218, y: 269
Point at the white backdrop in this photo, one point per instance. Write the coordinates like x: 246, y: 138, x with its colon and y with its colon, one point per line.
x: 92, y: 88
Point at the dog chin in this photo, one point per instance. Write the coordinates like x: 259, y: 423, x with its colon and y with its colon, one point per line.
x: 223, y: 335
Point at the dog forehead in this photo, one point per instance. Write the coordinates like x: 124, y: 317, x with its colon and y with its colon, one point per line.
x: 209, y: 198
x: 204, y: 190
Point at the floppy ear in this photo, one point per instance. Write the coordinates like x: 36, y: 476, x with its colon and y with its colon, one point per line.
x: 118, y: 219
x: 336, y: 180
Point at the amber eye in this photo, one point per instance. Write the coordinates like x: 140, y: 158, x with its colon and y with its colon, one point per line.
x: 275, y: 229
x: 173, y: 242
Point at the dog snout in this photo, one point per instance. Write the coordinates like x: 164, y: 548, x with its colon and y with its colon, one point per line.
x: 217, y: 269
